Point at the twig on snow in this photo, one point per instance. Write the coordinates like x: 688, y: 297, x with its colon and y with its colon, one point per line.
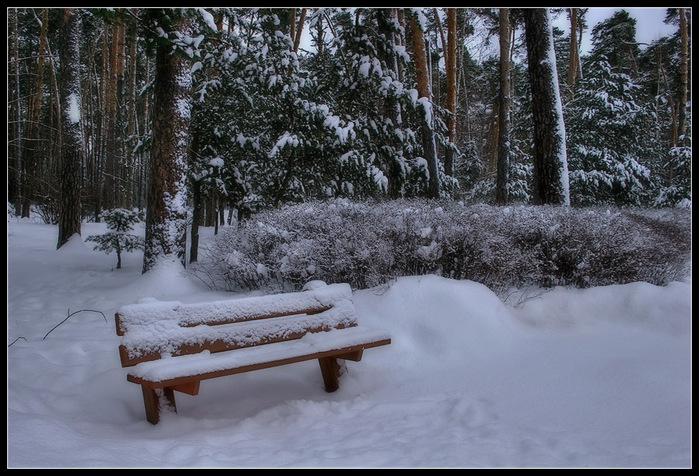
x: 72, y: 314
x: 20, y: 337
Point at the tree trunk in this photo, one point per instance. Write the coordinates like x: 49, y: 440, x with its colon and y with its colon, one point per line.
x: 131, y: 118
x: 100, y: 146
x: 14, y: 125
x: 450, y: 64
x: 196, y: 220
x: 550, y: 160
x: 146, y: 129
x: 166, y: 217
x: 503, y: 161
x: 71, y: 135
x: 573, y: 54
x: 299, y: 29
x: 424, y: 92
x: 112, y: 185
x: 32, y: 153
x: 684, y: 60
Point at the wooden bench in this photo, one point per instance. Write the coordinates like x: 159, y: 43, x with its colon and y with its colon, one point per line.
x: 172, y: 346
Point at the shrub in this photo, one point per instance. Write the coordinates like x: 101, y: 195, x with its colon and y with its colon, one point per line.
x: 370, y: 243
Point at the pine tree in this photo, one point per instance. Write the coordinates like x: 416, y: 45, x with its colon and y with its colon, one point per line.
x: 614, y: 39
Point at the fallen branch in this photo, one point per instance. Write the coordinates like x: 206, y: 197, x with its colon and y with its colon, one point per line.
x: 72, y: 314
x: 20, y: 337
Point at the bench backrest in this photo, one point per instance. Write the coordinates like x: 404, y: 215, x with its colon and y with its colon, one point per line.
x: 156, y: 329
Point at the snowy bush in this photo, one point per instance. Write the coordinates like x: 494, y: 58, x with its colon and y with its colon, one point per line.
x: 367, y: 244
x: 10, y: 211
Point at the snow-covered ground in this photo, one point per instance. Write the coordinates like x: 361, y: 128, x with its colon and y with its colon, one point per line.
x: 562, y: 378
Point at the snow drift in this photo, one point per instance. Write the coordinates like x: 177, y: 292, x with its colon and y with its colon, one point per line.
x: 599, y: 377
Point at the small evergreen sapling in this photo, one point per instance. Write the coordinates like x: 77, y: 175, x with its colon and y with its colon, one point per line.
x: 120, y: 221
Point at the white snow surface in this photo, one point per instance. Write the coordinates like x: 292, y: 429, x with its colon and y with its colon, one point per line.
x: 552, y: 378
x: 74, y: 108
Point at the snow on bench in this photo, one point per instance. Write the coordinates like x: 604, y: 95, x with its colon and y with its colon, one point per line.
x: 173, y: 346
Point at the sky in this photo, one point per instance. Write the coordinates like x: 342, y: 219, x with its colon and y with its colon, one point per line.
x: 649, y: 23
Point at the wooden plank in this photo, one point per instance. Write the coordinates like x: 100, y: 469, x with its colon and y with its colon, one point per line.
x: 190, y: 388
x: 157, y: 399
x: 117, y: 322
x: 311, y: 310
x: 352, y: 351
x: 253, y: 317
x: 231, y: 310
x: 331, y: 370
x: 129, y: 359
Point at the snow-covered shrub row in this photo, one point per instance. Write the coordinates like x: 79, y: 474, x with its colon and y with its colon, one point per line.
x: 370, y: 243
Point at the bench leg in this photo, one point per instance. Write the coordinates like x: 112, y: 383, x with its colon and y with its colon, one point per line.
x: 331, y: 370
x: 156, y: 399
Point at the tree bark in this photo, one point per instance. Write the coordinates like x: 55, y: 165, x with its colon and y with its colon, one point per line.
x: 166, y: 216
x: 550, y: 160
x: 196, y: 221
x: 424, y: 92
x: 574, y: 53
x: 296, y: 36
x: 503, y: 162
x: 112, y: 193
x: 684, y: 60
x: 14, y: 125
x: 71, y: 136
x: 131, y: 118
x: 450, y: 65
x: 32, y: 152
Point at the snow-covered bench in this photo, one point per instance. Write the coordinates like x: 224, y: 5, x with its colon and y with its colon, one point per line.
x: 172, y: 346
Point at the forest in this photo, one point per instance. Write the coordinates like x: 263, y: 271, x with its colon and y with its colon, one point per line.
x: 512, y: 208
x: 198, y: 116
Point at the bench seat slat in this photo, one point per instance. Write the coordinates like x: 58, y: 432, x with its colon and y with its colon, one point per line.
x: 174, y: 371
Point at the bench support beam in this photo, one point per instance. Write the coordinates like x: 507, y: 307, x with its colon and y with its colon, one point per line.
x: 190, y: 388
x: 157, y: 399
x: 331, y: 370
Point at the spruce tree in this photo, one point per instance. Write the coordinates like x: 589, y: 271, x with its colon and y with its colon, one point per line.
x: 120, y: 222
x: 607, y: 139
